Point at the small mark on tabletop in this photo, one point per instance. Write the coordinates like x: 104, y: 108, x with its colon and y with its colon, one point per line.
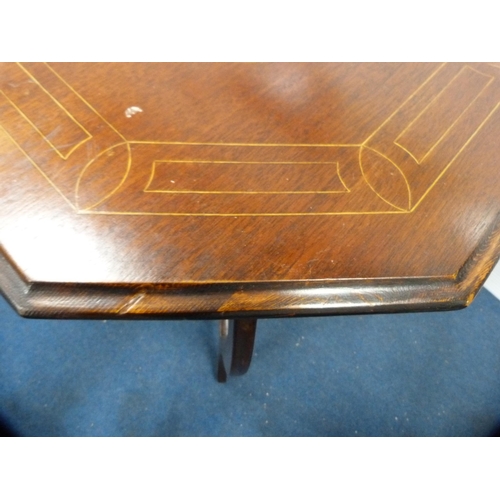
x: 129, y: 112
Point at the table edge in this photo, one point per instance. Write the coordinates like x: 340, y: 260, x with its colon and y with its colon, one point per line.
x: 257, y: 299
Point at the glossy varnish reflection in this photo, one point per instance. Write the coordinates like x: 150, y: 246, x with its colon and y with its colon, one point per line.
x: 247, y: 189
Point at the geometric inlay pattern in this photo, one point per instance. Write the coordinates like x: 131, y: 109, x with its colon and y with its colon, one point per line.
x: 376, y: 176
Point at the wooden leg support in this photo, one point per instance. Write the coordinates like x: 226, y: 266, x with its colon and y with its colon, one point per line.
x: 235, y: 347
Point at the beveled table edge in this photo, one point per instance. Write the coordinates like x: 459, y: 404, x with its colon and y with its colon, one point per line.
x: 257, y: 299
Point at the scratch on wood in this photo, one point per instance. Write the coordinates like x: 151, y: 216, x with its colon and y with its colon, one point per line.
x: 131, y: 303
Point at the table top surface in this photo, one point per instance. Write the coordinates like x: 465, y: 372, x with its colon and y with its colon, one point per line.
x: 214, y: 190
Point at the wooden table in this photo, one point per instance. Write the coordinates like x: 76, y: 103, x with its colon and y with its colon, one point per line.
x: 239, y: 191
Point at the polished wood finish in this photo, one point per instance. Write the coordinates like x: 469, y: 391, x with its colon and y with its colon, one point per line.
x: 236, y: 343
x: 247, y: 190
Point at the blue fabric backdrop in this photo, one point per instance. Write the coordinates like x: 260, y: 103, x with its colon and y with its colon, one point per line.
x: 425, y: 374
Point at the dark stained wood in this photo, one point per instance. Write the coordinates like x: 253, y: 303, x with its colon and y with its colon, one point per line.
x: 236, y: 343
x: 247, y: 190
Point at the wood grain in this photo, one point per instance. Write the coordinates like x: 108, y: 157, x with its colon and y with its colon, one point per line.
x: 233, y: 190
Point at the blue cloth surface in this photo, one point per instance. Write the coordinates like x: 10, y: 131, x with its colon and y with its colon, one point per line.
x: 415, y: 374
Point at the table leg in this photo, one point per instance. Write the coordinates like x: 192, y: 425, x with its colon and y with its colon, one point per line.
x: 235, y: 347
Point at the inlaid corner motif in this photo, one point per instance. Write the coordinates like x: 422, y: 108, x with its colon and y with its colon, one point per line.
x: 391, y: 171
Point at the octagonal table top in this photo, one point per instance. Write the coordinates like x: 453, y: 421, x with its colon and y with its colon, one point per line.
x: 259, y: 189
